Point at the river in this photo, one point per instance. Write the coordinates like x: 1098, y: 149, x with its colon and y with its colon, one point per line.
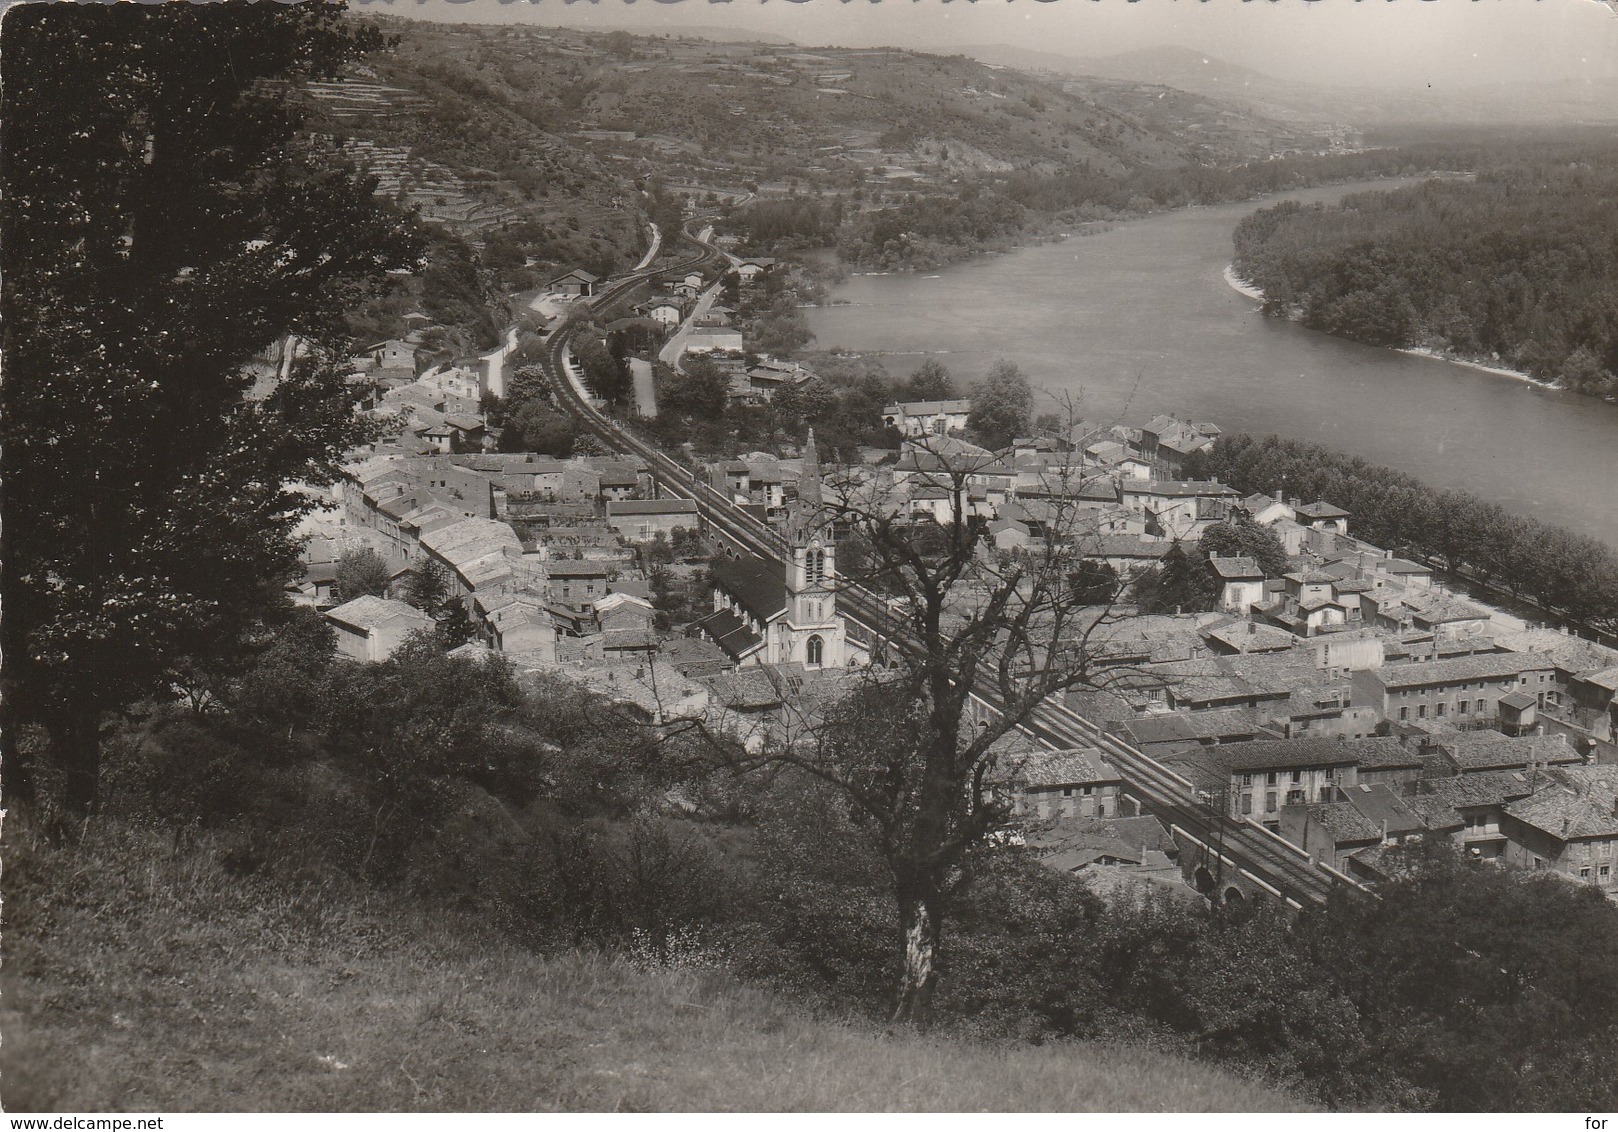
x: 1139, y: 320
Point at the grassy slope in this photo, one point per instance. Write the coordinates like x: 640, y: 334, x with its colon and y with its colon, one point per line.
x: 139, y: 976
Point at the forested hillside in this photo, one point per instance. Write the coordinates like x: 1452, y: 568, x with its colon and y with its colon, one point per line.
x: 536, y: 146
x: 1518, y: 267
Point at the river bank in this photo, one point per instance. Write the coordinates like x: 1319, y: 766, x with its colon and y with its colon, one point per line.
x: 1243, y: 287
x: 1143, y: 319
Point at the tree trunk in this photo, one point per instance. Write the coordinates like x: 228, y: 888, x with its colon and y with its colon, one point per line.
x: 17, y: 787
x: 76, y: 747
x: 921, y: 929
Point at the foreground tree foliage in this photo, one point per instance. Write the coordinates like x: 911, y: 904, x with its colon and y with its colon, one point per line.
x: 163, y: 223
x: 907, y: 749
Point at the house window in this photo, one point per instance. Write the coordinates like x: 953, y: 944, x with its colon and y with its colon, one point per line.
x: 1269, y: 801
x: 1297, y: 776
x: 1247, y: 804
x: 1605, y: 872
x: 1404, y: 714
x: 1463, y: 706
x: 1421, y: 711
x: 1440, y: 711
x: 1269, y: 779
x: 813, y: 650
x: 1294, y: 797
x: 1483, y: 706
x: 1247, y: 780
x: 1088, y: 790
x: 1067, y: 791
x: 1584, y: 873
x: 1101, y: 809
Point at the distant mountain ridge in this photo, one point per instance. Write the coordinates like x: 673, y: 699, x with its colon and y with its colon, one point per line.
x: 1573, y: 99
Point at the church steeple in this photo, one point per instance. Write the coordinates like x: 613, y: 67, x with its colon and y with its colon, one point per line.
x: 809, y: 480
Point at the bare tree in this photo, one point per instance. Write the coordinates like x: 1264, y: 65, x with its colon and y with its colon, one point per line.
x: 960, y: 622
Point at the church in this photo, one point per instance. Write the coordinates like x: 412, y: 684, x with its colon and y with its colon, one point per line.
x: 767, y: 612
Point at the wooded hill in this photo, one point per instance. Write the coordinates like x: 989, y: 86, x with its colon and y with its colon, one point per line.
x: 1518, y: 267
x: 533, y: 144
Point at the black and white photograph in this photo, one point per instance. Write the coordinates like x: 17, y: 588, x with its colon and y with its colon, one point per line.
x: 742, y: 556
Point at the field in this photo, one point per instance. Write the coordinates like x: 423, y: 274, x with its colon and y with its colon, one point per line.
x: 149, y: 972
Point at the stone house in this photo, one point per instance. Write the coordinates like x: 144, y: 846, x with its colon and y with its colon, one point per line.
x: 1462, y: 689
x: 371, y: 629
x: 928, y: 418
x: 641, y: 520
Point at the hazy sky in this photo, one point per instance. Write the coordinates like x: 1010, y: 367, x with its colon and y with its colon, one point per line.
x: 1357, y: 42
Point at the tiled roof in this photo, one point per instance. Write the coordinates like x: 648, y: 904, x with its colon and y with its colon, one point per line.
x: 1321, y: 510
x: 1490, y: 750
x: 1606, y: 678
x: 1566, y: 812
x: 1173, y: 727
x: 1177, y: 488
x: 1096, y: 833
x: 369, y: 612
x: 928, y: 408
x: 1343, y: 822
x: 746, y: 689
x: 1250, y: 636
x: 1384, y: 809
x: 1267, y: 754
x: 730, y: 633
x: 759, y: 586
x: 1238, y: 568
x: 1124, y: 546
x: 1442, y: 799
x: 1074, y: 766
x: 694, y: 656
x: 650, y: 506
x: 1489, y: 666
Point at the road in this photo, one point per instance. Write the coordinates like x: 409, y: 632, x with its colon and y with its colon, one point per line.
x: 675, y: 346
x: 645, y: 389
x: 651, y: 252
x: 1250, y: 851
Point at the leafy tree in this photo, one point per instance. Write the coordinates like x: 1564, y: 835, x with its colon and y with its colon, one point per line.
x: 608, y: 377
x: 904, y: 747
x: 1240, y: 536
x: 1095, y: 583
x: 930, y: 381
x: 702, y: 392
x: 1182, y: 583
x: 1002, y: 406
x: 536, y: 426
x: 361, y: 572
x: 455, y: 626
x: 417, y: 719
x: 163, y: 224
x: 281, y: 686
x: 428, y: 589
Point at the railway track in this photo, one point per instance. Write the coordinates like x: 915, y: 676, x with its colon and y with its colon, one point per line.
x: 1232, y: 848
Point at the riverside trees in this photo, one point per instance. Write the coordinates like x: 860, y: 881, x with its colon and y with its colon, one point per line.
x: 1520, y: 264
x: 163, y: 223
x: 1555, y: 567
